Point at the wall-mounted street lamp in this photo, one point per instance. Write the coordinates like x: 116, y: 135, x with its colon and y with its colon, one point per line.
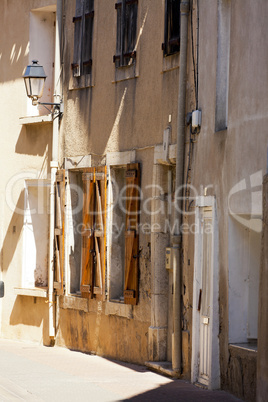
x: 34, y: 79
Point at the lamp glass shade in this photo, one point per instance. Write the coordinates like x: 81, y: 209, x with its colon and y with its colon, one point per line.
x: 34, y: 79
x: 34, y: 87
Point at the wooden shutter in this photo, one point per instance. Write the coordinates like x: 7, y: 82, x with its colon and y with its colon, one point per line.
x: 87, y: 233
x: 78, y: 28
x: 131, y: 233
x: 94, y: 233
x: 127, y: 11
x: 87, y: 36
x: 100, y: 232
x: 59, y: 231
x: 172, y: 27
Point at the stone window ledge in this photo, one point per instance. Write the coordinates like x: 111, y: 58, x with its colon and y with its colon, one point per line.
x: 74, y: 303
x: 94, y: 306
x: 36, y: 119
x: 119, y: 309
x: 35, y: 292
x: 244, y: 347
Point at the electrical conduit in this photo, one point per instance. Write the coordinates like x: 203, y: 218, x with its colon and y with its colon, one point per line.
x: 177, y: 237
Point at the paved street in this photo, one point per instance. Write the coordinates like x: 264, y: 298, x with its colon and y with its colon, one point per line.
x: 29, y: 372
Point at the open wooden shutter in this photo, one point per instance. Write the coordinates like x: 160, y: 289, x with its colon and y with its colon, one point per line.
x: 88, y: 249
x: 59, y: 231
x: 94, y: 233
x: 100, y: 232
x: 131, y: 233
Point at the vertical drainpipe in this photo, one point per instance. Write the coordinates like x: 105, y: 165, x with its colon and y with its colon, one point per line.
x: 54, y: 167
x: 177, y: 236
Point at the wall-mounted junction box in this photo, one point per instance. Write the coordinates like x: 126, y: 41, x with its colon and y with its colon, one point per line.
x: 169, y: 258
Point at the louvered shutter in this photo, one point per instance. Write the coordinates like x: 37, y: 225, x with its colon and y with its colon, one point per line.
x: 100, y: 232
x: 131, y: 233
x: 94, y: 233
x: 87, y: 36
x: 88, y: 233
x: 127, y: 11
x: 59, y: 231
x: 78, y: 27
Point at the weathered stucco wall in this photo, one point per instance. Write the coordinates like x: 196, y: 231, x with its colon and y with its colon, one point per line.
x: 115, y: 115
x: 262, y: 368
x: 101, y: 330
x: 236, y: 155
x: 242, y: 373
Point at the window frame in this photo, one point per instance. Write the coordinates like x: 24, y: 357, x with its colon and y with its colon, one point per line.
x: 82, y: 53
x: 171, y: 44
x: 125, y: 52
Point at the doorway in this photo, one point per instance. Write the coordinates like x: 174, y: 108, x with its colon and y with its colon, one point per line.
x: 205, y: 348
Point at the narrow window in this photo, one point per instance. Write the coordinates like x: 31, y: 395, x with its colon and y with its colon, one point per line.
x: 222, y: 78
x: 127, y: 11
x: 83, y: 34
x: 123, y: 229
x: 171, y: 43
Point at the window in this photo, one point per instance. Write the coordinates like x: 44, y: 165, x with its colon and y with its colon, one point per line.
x: 123, y: 225
x: 127, y: 11
x: 223, y: 55
x: 171, y: 43
x: 35, y: 234
x: 96, y: 227
x: 94, y: 233
x: 42, y: 48
x: 59, y: 280
x: 83, y: 31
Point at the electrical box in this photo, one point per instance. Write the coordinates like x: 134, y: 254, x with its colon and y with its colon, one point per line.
x: 196, y: 119
x: 2, y: 289
x: 168, y: 258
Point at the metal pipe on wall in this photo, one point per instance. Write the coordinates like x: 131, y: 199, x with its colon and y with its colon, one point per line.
x: 177, y: 237
x: 54, y: 167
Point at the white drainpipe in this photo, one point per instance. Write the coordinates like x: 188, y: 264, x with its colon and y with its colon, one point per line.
x: 54, y: 167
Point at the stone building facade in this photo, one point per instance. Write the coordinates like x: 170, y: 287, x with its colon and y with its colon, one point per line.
x: 90, y: 195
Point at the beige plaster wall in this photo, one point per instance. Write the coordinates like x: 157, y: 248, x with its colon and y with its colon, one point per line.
x: 25, y: 150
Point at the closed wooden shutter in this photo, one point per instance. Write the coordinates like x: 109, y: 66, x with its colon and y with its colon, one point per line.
x: 131, y: 233
x: 59, y: 231
x: 83, y: 35
x: 94, y: 233
x: 78, y: 26
x: 127, y: 11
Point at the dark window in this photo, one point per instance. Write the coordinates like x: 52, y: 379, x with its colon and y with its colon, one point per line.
x: 127, y: 11
x: 171, y: 44
x: 83, y: 30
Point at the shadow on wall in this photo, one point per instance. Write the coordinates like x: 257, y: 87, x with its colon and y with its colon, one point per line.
x: 14, y: 42
x: 13, y: 233
x: 23, y: 312
x: 35, y: 140
x: 33, y: 312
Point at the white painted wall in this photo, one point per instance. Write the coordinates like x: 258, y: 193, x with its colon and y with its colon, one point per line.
x: 42, y: 48
x: 244, y: 264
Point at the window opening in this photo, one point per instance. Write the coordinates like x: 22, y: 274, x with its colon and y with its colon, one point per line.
x: 127, y: 11
x: 83, y: 37
x: 171, y: 43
